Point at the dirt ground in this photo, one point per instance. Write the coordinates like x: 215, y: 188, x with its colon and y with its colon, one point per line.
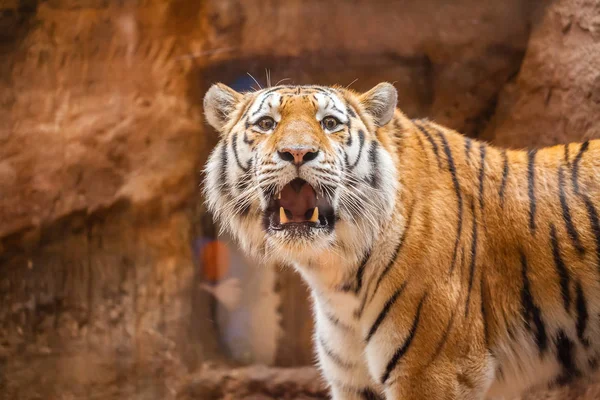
x: 86, y: 378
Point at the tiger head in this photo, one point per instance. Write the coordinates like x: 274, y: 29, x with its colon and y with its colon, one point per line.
x: 301, y: 170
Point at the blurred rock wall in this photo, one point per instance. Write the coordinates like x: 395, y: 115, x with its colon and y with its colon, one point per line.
x: 100, y: 152
x: 102, y: 142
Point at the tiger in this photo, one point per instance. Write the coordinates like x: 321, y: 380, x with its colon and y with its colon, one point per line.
x: 439, y: 266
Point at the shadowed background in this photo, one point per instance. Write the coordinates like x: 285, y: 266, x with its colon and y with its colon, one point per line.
x: 114, y: 283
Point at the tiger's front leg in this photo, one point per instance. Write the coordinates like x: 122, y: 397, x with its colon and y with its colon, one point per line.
x: 348, y: 380
x: 418, y: 349
x: 440, y: 382
x: 340, y: 352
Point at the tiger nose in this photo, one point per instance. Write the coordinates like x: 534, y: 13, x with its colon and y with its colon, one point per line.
x: 298, y: 154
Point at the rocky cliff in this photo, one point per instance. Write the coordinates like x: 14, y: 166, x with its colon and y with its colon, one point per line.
x: 102, y: 142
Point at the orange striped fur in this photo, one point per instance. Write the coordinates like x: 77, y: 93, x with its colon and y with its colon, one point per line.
x: 472, y: 272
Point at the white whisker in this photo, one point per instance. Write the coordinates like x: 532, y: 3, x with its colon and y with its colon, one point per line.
x: 254, y: 79
x: 282, y: 80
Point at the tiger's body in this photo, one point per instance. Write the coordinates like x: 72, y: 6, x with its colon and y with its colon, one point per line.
x: 443, y: 267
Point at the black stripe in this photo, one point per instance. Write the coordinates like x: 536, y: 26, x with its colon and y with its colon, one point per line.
x: 361, y: 142
x: 567, y: 161
x: 345, y: 387
x: 434, y: 145
x: 531, y: 187
x: 335, y: 357
x: 484, y: 311
x: 594, y: 223
x: 373, y: 160
x: 442, y: 343
x: 328, y: 101
x: 386, y: 309
x: 461, y: 261
x: 346, y: 287
x: 573, y: 234
x: 223, y: 176
x: 349, y: 140
x: 401, y: 351
x: 335, y: 321
x: 368, y: 394
x: 504, y: 177
x: 333, y: 107
x: 320, y: 169
x: 268, y: 170
x: 473, y: 253
x: 398, y: 125
x: 318, y: 89
x: 275, y: 89
x: 582, y: 314
x: 245, y: 113
x: 531, y: 312
x: 565, y: 354
x: 589, y: 205
x: 361, y: 271
x: 249, y: 142
x: 452, y: 170
x: 244, y: 181
x: 468, y: 144
x: 481, y: 173
x: 420, y: 143
x: 235, y: 153
x: 392, y: 261
x: 262, y: 103
x: 575, y: 171
x: 358, y: 312
x: 350, y: 111
x: 561, y: 268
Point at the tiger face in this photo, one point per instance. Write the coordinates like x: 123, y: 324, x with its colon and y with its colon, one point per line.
x: 301, y: 170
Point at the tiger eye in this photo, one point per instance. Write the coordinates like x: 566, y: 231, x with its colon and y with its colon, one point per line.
x: 266, y: 123
x: 330, y: 123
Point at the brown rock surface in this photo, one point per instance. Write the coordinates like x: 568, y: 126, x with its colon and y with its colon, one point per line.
x: 555, y: 98
x: 101, y: 143
x: 257, y: 382
x: 100, y: 150
x: 447, y: 59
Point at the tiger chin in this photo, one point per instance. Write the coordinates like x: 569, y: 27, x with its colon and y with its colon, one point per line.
x: 440, y: 267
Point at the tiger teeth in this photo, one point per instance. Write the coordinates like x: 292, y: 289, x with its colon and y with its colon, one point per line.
x: 282, y: 217
x: 315, y: 215
x: 279, y: 196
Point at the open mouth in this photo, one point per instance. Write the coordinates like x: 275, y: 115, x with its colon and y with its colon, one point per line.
x: 300, y: 208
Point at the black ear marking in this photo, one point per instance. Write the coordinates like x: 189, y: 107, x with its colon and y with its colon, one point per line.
x: 219, y: 102
x: 380, y: 102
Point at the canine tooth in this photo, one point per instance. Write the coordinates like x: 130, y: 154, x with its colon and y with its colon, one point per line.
x: 279, y: 196
x: 282, y: 217
x: 315, y: 215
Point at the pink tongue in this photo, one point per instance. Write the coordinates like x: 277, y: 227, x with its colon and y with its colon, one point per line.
x: 298, y: 198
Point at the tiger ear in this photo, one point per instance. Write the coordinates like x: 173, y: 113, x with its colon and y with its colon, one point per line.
x: 219, y: 102
x: 380, y: 102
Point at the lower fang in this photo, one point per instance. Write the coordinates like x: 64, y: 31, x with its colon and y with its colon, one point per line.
x: 282, y: 217
x: 315, y: 215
